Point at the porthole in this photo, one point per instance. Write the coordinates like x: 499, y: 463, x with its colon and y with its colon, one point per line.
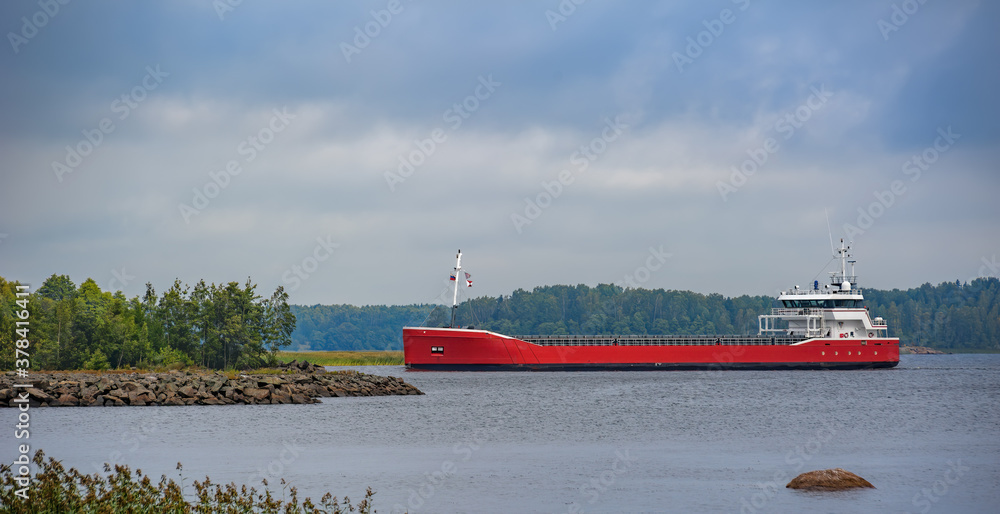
x: 848, y: 353
x: 876, y: 352
x: 822, y: 353
x: 836, y: 353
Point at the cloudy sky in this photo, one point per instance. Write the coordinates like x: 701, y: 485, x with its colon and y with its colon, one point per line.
x: 346, y: 150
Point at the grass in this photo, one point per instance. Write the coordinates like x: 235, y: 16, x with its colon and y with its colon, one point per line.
x: 54, y: 489
x: 345, y: 358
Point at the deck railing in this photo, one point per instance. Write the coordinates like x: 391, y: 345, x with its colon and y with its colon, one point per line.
x: 658, y: 340
x: 785, y: 311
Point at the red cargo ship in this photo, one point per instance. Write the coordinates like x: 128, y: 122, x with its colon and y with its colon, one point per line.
x: 825, y: 328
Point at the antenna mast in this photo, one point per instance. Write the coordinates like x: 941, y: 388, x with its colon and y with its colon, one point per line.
x: 828, y: 229
x: 454, y: 300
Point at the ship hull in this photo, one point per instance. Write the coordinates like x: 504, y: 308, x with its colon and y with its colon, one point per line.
x: 479, y: 350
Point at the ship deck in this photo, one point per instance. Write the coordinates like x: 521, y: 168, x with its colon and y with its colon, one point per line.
x: 661, y: 340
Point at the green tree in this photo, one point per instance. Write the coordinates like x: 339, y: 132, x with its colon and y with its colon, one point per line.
x: 57, y: 287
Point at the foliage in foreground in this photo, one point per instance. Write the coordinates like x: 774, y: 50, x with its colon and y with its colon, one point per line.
x: 56, y: 490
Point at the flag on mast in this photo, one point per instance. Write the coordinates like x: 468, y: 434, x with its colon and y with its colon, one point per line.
x: 468, y: 279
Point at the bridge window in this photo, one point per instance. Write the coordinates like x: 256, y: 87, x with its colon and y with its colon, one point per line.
x: 821, y: 304
x: 437, y: 349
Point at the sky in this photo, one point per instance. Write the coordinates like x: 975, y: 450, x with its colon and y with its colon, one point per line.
x: 346, y: 150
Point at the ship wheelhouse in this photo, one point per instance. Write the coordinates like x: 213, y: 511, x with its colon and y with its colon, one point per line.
x: 836, y: 311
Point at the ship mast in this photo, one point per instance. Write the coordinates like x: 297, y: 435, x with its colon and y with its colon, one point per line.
x: 454, y: 300
x: 844, y: 278
x: 843, y: 259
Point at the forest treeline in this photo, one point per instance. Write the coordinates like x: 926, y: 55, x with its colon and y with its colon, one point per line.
x: 950, y: 315
x: 81, y: 327
x: 230, y: 326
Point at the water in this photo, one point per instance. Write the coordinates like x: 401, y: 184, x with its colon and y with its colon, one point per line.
x: 926, y: 434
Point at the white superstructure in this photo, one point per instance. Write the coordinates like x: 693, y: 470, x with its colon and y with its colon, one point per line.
x: 836, y: 311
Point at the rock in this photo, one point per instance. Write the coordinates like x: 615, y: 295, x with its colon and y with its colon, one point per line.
x: 103, y: 385
x: 38, y: 394
x: 257, y: 394
x: 173, y: 400
x: 66, y: 400
x: 272, y: 380
x: 828, y: 480
x: 921, y: 350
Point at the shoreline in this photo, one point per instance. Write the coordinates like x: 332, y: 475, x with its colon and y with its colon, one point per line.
x: 920, y: 350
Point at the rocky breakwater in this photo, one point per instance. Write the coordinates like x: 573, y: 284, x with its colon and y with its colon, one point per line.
x: 920, y: 350
x: 291, y: 385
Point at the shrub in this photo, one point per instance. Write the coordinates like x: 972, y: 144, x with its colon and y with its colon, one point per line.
x: 56, y: 490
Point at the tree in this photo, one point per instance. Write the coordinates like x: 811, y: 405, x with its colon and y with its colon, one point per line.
x: 279, y: 322
x: 57, y: 287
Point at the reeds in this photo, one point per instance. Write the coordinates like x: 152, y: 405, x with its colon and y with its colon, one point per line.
x: 56, y: 490
x: 346, y: 358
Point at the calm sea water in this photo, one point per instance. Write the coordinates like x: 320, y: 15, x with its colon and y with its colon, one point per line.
x: 926, y: 434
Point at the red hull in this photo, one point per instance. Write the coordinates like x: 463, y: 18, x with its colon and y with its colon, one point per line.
x: 461, y: 349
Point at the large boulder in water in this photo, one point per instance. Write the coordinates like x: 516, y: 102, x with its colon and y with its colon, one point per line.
x: 828, y: 480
